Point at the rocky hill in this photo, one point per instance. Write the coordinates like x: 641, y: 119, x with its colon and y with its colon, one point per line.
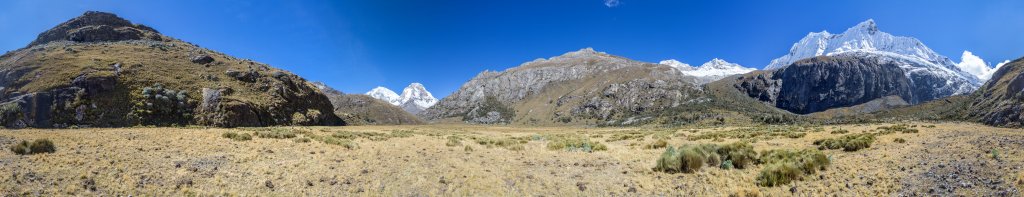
x: 99, y: 70
x: 357, y: 109
x: 1000, y: 102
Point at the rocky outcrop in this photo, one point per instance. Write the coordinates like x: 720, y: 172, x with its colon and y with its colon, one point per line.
x: 826, y: 82
x: 97, y: 27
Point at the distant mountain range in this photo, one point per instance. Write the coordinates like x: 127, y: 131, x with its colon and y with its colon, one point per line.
x: 710, y: 71
x: 414, y: 98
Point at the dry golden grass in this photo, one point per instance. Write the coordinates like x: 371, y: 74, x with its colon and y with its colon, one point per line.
x: 183, y: 161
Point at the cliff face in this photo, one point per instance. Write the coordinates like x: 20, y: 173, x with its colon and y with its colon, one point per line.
x: 826, y: 82
x: 101, y: 70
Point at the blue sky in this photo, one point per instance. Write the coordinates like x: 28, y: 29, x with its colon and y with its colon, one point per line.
x: 355, y: 46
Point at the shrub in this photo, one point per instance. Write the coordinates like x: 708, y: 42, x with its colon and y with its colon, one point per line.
x: 785, y: 166
x: 276, y: 133
x: 727, y: 164
x: 236, y: 136
x: 778, y: 174
x: 468, y: 148
x: 454, y: 141
x: 156, y: 105
x: 851, y: 142
x: 686, y: 159
x: 740, y: 154
x: 34, y: 147
x: 899, y: 140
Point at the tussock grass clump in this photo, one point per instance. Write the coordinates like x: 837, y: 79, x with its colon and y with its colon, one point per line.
x: 275, y: 133
x: 373, y: 136
x: 840, y: 131
x: 849, y: 143
x: 762, y: 132
x: 574, y: 143
x: 690, y: 158
x: 510, y: 143
x: 625, y: 136
x: 34, y: 147
x: 900, y: 140
x: 237, y: 136
x: 348, y: 144
x: 454, y: 141
x: 656, y: 144
x: 785, y: 166
x: 302, y: 140
x: 900, y: 128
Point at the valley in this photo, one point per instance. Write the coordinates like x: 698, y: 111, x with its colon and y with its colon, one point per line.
x: 937, y: 158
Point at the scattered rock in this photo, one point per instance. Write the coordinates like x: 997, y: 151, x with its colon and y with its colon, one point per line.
x: 202, y: 59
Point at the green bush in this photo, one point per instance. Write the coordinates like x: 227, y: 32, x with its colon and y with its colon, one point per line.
x: 785, y: 166
x: 275, y: 133
x: 778, y: 174
x: 851, y: 142
x: 686, y: 159
x: 34, y: 147
x: 236, y: 136
x: 160, y: 106
x: 740, y: 154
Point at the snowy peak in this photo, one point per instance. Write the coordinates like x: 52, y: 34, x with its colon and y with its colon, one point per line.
x: 715, y: 69
x: 866, y: 38
x: 414, y: 99
x: 385, y: 95
x: 867, y: 27
x: 677, y: 65
x: 417, y: 94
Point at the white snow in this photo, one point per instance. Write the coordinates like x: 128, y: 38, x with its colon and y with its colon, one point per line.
x: 385, y: 95
x: 415, y: 94
x: 419, y: 95
x: 710, y: 71
x: 865, y: 38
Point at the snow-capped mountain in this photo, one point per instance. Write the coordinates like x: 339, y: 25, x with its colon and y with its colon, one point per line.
x: 866, y: 39
x: 710, y: 71
x: 414, y: 99
x: 385, y: 95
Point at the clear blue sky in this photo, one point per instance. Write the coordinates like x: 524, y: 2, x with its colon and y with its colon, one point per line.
x: 357, y: 45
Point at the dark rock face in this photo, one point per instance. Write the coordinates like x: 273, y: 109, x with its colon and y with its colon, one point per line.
x: 57, y: 107
x: 97, y: 27
x: 825, y: 82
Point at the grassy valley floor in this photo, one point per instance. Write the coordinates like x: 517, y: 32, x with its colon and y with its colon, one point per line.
x: 460, y: 160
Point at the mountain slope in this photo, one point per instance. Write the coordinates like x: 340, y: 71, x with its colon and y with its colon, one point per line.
x: 101, y: 70
x: 357, y: 109
x: 865, y: 38
x: 1000, y: 102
